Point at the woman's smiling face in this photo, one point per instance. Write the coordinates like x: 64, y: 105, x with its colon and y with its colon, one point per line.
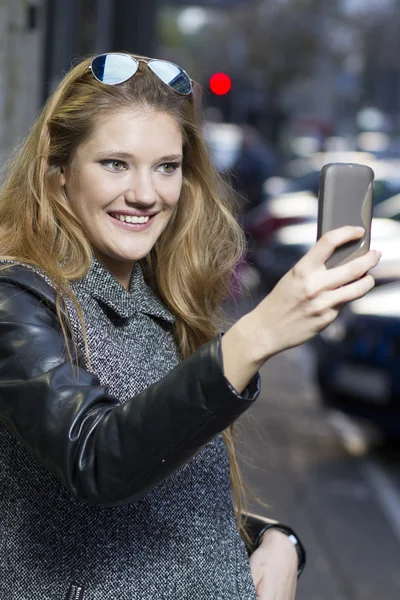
x: 129, y: 170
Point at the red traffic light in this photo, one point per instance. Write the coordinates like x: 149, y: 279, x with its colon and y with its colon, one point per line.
x: 220, y: 83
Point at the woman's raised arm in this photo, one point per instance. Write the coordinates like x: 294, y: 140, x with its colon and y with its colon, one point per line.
x: 305, y: 301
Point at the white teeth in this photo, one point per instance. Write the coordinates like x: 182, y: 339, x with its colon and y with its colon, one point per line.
x: 131, y: 219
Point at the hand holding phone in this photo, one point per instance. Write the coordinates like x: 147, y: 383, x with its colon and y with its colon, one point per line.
x: 346, y: 198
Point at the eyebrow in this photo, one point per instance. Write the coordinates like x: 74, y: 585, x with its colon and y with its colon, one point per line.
x: 127, y: 156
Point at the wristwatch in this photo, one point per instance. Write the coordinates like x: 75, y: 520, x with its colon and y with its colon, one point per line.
x: 301, y: 553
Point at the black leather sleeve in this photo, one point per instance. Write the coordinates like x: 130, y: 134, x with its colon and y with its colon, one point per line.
x: 106, y: 453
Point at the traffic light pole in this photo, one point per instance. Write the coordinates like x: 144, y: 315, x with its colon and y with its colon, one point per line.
x: 61, y: 41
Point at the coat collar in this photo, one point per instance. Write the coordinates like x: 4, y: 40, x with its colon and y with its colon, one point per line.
x: 140, y: 298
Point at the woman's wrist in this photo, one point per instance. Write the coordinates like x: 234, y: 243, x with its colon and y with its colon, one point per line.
x: 241, y: 359
x: 261, y: 335
x: 278, y: 533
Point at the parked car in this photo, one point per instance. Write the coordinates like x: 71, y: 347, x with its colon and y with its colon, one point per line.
x: 297, y: 207
x: 282, y: 210
x: 302, y: 167
x: 358, y: 359
x: 288, y: 244
x: 303, y: 174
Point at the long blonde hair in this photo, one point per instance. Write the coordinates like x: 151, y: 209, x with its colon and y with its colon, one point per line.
x: 191, y: 265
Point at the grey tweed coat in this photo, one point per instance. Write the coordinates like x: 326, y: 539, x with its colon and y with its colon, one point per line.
x: 177, y: 539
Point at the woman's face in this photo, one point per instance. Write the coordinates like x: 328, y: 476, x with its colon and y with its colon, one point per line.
x: 129, y: 170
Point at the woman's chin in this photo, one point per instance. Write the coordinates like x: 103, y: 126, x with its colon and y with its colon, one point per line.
x: 121, y: 255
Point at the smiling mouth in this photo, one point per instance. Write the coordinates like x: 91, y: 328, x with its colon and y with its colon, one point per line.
x: 136, y: 219
x: 132, y: 222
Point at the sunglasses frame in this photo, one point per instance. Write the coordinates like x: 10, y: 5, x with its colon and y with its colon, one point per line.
x: 148, y: 62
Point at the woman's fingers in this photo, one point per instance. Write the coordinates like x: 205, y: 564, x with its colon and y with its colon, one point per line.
x: 309, y: 297
x: 352, y: 291
x: 327, y: 244
x: 351, y: 271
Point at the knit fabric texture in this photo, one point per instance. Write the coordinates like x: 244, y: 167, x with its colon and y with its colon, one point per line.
x: 180, y: 541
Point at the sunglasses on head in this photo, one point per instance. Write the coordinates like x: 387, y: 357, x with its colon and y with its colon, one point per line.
x: 114, y: 68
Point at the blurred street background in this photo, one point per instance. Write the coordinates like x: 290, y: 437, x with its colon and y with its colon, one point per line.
x: 288, y: 86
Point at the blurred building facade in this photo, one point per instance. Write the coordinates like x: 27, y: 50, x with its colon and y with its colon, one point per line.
x: 306, y: 63
x: 40, y: 39
x: 22, y: 27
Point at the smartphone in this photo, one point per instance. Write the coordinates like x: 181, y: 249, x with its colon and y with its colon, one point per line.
x: 346, y: 197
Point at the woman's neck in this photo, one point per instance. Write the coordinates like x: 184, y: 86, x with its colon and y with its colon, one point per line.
x: 120, y: 270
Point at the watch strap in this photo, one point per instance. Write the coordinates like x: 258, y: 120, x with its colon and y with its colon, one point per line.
x: 301, y: 553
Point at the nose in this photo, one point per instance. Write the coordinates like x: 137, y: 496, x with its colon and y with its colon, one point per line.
x: 141, y: 189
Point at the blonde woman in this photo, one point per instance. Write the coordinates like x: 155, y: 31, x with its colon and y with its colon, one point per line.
x: 118, y: 392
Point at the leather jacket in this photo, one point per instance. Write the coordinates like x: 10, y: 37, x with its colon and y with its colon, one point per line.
x: 104, y: 452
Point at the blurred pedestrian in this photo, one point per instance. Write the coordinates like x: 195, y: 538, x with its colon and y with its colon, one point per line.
x: 117, y: 391
x: 255, y: 163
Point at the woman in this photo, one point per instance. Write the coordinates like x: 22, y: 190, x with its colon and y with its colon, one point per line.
x: 117, y: 391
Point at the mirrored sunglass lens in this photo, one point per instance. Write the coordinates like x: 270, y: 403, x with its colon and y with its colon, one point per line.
x: 113, y: 68
x: 172, y: 75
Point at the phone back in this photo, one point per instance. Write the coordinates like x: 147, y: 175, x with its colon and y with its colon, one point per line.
x: 345, y: 197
